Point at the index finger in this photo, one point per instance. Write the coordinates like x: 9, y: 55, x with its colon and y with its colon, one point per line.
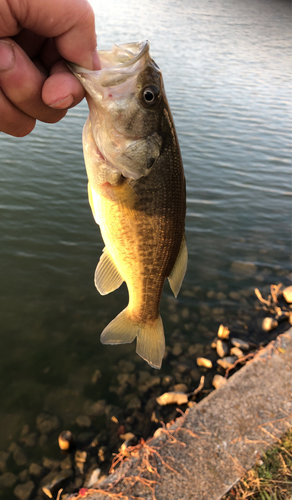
x: 70, y: 22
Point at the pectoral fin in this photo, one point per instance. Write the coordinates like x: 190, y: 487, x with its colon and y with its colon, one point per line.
x: 179, y: 269
x: 107, y: 277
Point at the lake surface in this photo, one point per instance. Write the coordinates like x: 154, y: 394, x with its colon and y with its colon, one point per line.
x: 227, y: 73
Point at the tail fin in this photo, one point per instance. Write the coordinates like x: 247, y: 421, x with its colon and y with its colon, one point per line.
x: 150, y: 337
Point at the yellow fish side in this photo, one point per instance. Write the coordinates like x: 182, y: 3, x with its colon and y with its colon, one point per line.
x: 139, y: 249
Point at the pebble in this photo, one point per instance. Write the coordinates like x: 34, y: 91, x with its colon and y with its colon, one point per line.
x: 223, y: 332
x: 240, y: 343
x: 7, y: 480
x: 221, y: 348
x: 134, y: 403
x: 67, y: 463
x: 83, y: 421
x: 19, y: 456
x: 127, y: 436
x: 65, y: 440
x: 234, y: 295
x: 51, y: 464
x: 227, y: 362
x: 47, y: 423
x: 29, y: 440
x: 53, y: 481
x: 3, y: 459
x: 24, y: 491
x: 177, y: 349
x: 167, y: 380
x: 92, y: 478
x: 287, y: 294
x: 96, y: 376
x: 180, y: 388
x: 42, y: 440
x: 95, y: 409
x: 23, y: 475
x: 235, y: 351
x: 243, y: 268
x: 35, y: 470
x: 214, y: 343
x: 218, y: 381
x: 126, y: 366
x: 269, y: 324
x: 206, y: 363
x: 167, y: 398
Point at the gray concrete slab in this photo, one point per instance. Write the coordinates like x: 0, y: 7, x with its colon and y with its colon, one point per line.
x: 208, y: 449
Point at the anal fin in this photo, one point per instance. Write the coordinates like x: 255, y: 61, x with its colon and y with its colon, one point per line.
x: 107, y: 277
x: 179, y: 269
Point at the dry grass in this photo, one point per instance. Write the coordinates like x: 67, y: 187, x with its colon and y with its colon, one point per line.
x: 271, y: 479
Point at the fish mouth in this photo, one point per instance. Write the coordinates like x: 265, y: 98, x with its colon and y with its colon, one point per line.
x: 115, y: 60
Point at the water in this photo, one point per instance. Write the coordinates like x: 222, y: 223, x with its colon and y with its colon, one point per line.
x: 227, y: 72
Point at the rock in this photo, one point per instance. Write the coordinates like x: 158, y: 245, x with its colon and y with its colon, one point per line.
x: 167, y: 380
x: 167, y: 398
x: 23, y: 475
x: 65, y: 440
x: 80, y: 456
x: 235, y: 351
x: 127, y: 436
x: 221, y: 348
x: 134, y: 403
x: 3, y: 459
x: 24, y: 491
x: 269, y: 324
x: 214, y: 343
x: 35, y: 470
x: 126, y: 366
x: 30, y: 439
x: 234, y: 295
x: 83, y: 421
x: 244, y: 346
x: 223, y: 332
x: 7, y: 480
x: 218, y: 381
x: 47, y: 423
x: 96, y: 376
x: 51, y: 464
x: 227, y: 362
x: 95, y: 409
x: 42, y: 440
x: 177, y: 349
x: 243, y: 268
x: 180, y: 388
x: 19, y: 456
x: 53, y: 481
x: 287, y: 294
x: 174, y: 318
x: 206, y: 363
x: 67, y: 463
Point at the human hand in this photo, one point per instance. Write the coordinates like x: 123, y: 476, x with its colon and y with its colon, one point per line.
x: 35, y: 38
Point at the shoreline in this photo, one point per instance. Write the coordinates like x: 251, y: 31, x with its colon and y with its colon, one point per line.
x: 208, y: 449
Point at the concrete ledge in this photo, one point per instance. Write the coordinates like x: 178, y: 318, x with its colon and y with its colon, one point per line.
x: 209, y: 449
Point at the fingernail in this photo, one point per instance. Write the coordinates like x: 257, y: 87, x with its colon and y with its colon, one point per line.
x: 7, y: 56
x: 96, y: 60
x: 63, y: 103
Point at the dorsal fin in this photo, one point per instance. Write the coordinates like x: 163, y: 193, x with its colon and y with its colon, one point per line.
x: 107, y: 277
x: 179, y: 269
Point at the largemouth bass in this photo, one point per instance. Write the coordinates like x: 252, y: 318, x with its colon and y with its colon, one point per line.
x: 136, y: 190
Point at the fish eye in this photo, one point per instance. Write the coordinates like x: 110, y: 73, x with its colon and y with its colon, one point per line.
x: 150, y: 95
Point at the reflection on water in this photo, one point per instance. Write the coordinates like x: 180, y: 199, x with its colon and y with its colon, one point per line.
x: 226, y: 71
